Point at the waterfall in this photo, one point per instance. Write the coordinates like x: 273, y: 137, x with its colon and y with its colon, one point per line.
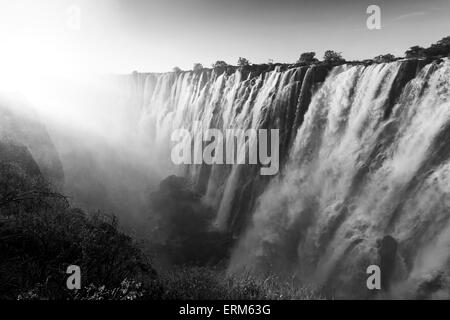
x: 364, y: 152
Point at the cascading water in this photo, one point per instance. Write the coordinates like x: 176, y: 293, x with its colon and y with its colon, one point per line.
x: 237, y: 100
x: 365, y: 155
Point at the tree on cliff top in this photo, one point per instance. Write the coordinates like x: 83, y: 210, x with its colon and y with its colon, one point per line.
x: 220, y: 64
x: 440, y: 48
x: 176, y: 70
x: 382, y: 58
x: 331, y: 56
x: 415, y: 52
x: 243, y: 62
x: 307, y: 57
x: 197, y: 67
x: 444, y: 41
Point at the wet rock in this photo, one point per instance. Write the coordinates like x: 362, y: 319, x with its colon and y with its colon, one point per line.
x: 387, y: 253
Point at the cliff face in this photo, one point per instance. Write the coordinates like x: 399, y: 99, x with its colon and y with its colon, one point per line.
x: 20, y: 156
x: 363, y: 154
x: 20, y: 126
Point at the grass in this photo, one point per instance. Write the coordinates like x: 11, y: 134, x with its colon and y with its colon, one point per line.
x: 206, y: 283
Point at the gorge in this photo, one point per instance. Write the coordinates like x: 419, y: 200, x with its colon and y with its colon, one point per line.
x: 364, y: 157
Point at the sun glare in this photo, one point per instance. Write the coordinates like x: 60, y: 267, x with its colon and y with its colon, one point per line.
x: 38, y: 51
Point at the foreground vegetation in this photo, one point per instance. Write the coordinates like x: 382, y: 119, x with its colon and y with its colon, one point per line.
x: 187, y: 283
x: 41, y: 234
x: 204, y: 283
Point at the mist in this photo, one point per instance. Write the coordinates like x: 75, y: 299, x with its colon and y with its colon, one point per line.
x: 93, y: 123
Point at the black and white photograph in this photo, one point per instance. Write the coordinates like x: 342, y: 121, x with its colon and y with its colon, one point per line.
x: 248, y: 151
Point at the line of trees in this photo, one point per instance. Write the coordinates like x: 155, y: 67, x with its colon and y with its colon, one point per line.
x: 197, y: 67
x: 437, y: 50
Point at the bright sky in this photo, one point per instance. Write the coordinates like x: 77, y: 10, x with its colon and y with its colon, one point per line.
x: 42, y: 36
